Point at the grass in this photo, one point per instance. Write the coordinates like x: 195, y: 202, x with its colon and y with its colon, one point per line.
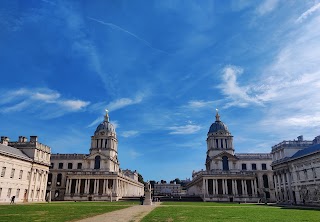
x: 58, y: 211
x: 199, y: 211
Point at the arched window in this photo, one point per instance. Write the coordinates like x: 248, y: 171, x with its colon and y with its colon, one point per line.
x: 59, y: 179
x: 265, y: 181
x: 225, y: 163
x: 97, y: 162
x: 49, y: 179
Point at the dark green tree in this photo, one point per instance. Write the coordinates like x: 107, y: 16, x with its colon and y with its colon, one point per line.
x: 140, y: 178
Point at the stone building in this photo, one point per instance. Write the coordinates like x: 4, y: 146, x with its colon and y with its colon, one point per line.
x: 296, y: 166
x: 24, y: 169
x: 93, y: 176
x: 167, y: 189
x: 244, y: 177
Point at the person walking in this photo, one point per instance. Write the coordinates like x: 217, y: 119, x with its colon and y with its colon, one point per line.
x: 12, y: 199
x: 141, y: 200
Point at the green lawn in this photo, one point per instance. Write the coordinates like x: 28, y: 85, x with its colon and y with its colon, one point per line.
x: 58, y: 211
x: 188, y: 211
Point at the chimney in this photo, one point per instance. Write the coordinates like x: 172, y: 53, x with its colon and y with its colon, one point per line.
x: 4, y: 140
x: 33, y: 138
x: 300, y: 138
x: 316, y: 140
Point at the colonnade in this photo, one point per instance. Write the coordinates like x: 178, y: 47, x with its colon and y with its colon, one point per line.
x: 219, y: 143
x: 235, y: 188
x: 283, y: 187
x: 106, y: 187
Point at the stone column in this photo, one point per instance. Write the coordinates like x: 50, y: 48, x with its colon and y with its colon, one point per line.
x: 226, y: 186
x: 289, y: 187
x: 203, y: 187
x: 67, y: 186
x: 223, y: 187
x: 252, y: 188
x: 85, y: 186
x: 216, y: 186
x: 79, y: 188
x: 34, y: 184
x: 76, y: 189
x: 242, y: 186
x: 233, y: 187
x: 284, y: 187
x: 255, y: 187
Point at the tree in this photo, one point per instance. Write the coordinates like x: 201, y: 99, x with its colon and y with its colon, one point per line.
x: 152, y: 183
x: 140, y: 178
x: 178, y: 181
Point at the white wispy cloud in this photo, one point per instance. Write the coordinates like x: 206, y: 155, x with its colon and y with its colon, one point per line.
x: 289, y: 86
x: 44, y: 100
x: 200, y: 104
x: 129, y: 133
x: 186, y: 129
x: 238, y: 95
x: 114, y: 105
x: 127, y: 32
x: 308, y: 13
x: 267, y: 6
x: 133, y: 154
x: 123, y: 102
x: 118, y: 103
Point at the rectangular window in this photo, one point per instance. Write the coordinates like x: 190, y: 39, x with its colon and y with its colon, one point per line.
x: 305, y: 174
x: 0, y: 192
x: 69, y: 165
x: 20, y: 174
x: 12, y: 173
x: 18, y: 192
x: 254, y: 166
x: 244, y: 166
x: 314, y: 173
x: 9, y: 193
x: 3, y: 171
x: 60, y: 165
x: 79, y: 166
x: 264, y: 166
x: 51, y: 165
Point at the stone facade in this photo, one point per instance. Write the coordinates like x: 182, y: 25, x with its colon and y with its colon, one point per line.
x: 231, y: 177
x: 296, y: 171
x: 93, y: 176
x: 24, y: 169
x: 167, y: 189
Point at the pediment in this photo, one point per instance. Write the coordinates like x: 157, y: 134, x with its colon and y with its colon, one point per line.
x: 91, y: 156
x: 224, y: 153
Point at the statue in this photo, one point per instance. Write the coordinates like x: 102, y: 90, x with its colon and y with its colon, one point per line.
x: 147, y: 193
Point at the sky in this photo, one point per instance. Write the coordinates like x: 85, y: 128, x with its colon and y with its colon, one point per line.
x: 161, y: 68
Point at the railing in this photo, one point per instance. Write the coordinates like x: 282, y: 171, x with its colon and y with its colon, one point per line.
x: 292, y: 143
x: 223, y: 172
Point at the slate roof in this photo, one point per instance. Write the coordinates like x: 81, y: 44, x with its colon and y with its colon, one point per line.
x: 253, y: 155
x: 216, y: 126
x: 306, y: 151
x: 14, y: 152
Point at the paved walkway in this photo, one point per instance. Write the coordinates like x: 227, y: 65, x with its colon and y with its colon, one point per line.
x: 131, y: 214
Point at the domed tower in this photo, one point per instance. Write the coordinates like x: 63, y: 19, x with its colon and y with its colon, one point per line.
x: 219, y: 138
x: 104, y: 142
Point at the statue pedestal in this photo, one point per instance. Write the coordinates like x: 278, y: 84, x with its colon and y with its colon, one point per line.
x: 147, y: 200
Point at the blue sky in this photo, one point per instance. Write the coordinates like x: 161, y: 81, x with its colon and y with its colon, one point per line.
x: 161, y: 68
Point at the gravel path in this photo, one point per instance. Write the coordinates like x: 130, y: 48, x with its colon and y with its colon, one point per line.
x: 131, y: 214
